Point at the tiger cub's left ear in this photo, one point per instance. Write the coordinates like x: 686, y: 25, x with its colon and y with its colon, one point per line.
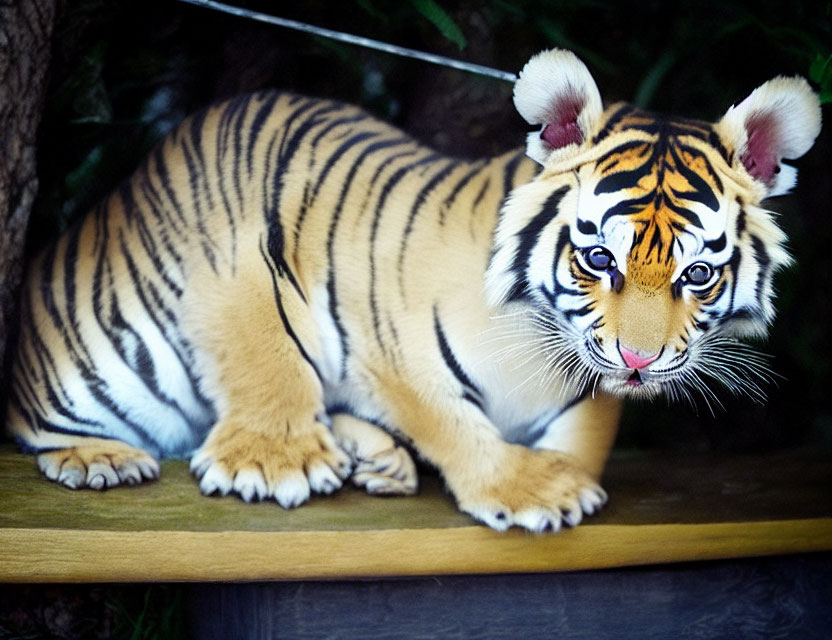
x: 780, y: 119
x: 556, y: 90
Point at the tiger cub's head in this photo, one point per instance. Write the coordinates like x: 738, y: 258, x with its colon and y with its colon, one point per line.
x: 641, y: 251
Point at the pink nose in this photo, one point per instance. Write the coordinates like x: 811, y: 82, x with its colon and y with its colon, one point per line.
x: 635, y: 361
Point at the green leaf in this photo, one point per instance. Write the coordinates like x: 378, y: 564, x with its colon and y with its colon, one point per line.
x: 441, y: 20
x: 820, y: 72
x: 651, y: 81
x: 558, y: 36
x: 821, y: 69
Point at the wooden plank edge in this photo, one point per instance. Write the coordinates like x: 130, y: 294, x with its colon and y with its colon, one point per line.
x: 62, y: 555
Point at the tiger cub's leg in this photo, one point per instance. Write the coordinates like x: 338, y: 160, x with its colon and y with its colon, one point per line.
x: 269, y: 440
x: 586, y: 431
x: 380, y: 465
x: 496, y: 482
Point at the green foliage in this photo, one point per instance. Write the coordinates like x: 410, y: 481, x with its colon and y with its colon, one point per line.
x: 821, y: 74
x: 441, y: 20
x: 158, y: 615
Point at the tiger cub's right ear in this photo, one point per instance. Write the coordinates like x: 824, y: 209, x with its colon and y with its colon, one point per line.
x: 555, y: 90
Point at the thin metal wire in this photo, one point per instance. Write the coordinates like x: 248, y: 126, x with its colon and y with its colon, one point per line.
x: 356, y: 40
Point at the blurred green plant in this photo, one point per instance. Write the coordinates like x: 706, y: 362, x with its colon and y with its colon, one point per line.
x: 157, y: 615
x: 821, y: 74
x: 441, y: 20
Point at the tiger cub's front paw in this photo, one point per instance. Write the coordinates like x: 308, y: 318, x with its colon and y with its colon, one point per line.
x: 286, y: 466
x: 535, y: 489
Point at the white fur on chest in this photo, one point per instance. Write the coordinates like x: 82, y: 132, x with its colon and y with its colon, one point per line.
x: 522, y: 390
x: 504, y: 358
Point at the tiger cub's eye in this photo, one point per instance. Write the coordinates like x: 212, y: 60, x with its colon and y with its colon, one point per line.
x: 698, y: 273
x: 599, y: 258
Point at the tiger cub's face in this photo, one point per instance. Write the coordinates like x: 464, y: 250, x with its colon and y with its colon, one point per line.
x: 641, y: 251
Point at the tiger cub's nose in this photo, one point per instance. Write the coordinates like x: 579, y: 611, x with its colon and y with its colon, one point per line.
x: 633, y: 360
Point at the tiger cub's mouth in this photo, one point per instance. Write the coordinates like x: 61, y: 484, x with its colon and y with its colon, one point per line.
x: 690, y: 375
x: 642, y: 378
x: 637, y: 383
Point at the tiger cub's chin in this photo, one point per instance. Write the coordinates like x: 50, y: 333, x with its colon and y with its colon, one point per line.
x: 285, y: 282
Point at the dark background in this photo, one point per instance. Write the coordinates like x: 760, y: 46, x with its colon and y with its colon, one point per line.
x: 124, y: 73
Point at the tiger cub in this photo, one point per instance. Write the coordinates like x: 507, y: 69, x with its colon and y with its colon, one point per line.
x: 285, y: 282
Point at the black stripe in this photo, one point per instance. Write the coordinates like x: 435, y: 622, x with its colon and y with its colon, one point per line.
x: 538, y: 429
x: 689, y: 215
x: 613, y: 120
x: 147, y: 239
x: 626, y: 179
x: 587, y: 227
x: 282, y: 312
x: 289, y: 146
x: 470, y: 391
x: 230, y: 121
x: 528, y: 237
x: 197, y: 124
x: 114, y: 325
x: 763, y: 259
x: 510, y: 172
x: 701, y: 190
x: 418, y: 201
x: 386, y: 189
x: 627, y: 207
x: 734, y: 265
x: 562, y: 243
x: 256, y: 125
x: 580, y: 311
x: 715, y: 141
x: 718, y: 244
x: 721, y: 288
x: 167, y: 325
x: 622, y: 148
x: 708, y: 166
x: 480, y: 194
x: 194, y: 175
x: 163, y: 176
x: 238, y: 112
x: 335, y: 219
x: 741, y: 222
x: 72, y: 240
x: 655, y: 240
x: 50, y: 380
x: 331, y: 160
x: 475, y: 170
x: 310, y: 194
x: 154, y: 200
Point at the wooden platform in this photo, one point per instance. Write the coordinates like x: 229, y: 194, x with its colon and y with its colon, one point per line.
x: 662, y: 509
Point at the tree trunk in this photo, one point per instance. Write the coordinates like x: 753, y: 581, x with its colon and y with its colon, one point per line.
x: 25, y: 38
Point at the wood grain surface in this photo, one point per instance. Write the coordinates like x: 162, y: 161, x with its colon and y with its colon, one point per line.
x: 662, y: 509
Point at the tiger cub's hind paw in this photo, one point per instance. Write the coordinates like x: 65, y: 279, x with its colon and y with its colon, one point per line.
x: 287, y: 468
x: 382, y: 467
x: 101, y: 464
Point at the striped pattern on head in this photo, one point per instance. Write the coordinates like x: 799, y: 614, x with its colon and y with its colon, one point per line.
x: 642, y: 251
